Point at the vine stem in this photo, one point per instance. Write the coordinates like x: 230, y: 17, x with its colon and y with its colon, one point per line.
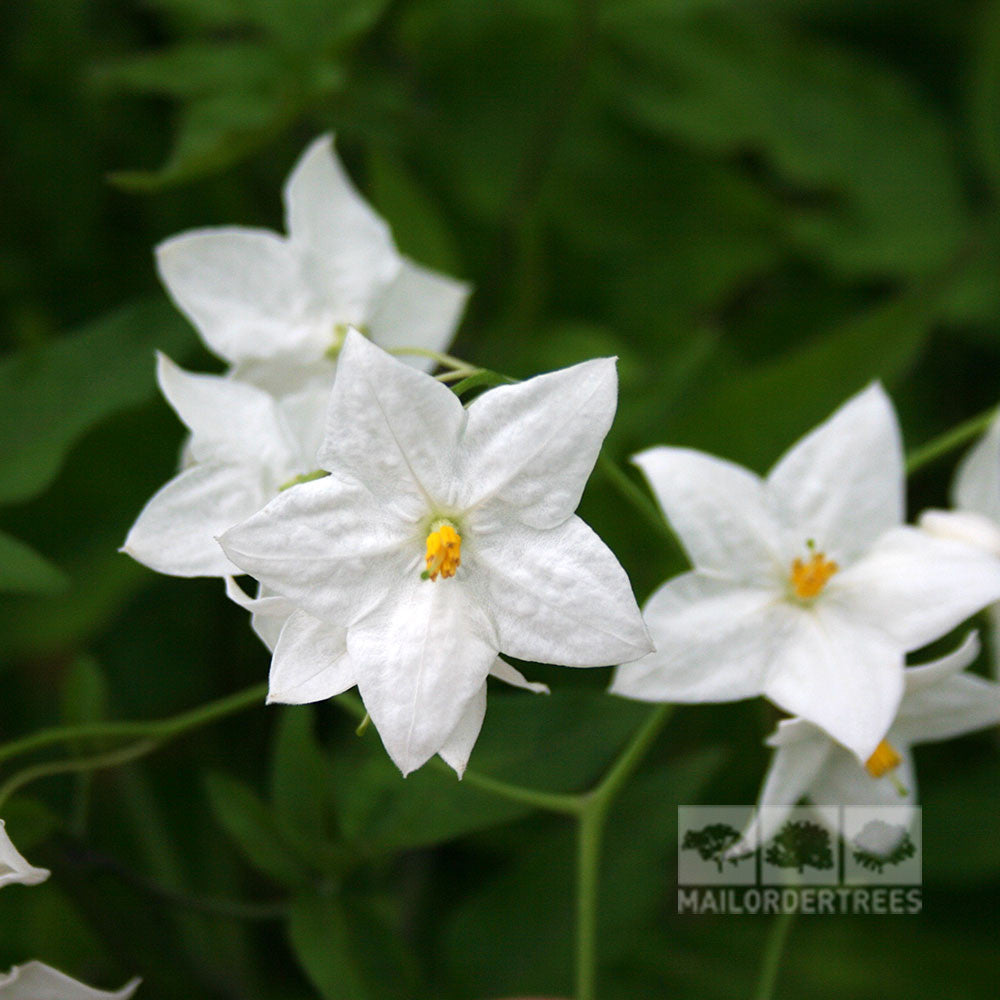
x: 774, y: 947
x: 949, y: 441
x: 156, y: 729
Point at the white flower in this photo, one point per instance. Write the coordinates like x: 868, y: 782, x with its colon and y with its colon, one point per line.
x: 275, y: 305
x: 36, y: 981
x: 443, y: 536
x: 806, y: 586
x: 13, y: 867
x: 245, y: 445
x: 939, y: 702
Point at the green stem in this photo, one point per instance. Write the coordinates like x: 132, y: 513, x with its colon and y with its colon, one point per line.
x: 774, y: 947
x: 636, y: 496
x: 445, y: 360
x: 949, y: 441
x: 158, y: 729
x: 590, y: 834
x: 111, y: 758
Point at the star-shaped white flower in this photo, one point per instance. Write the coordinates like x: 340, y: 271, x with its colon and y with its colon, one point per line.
x: 939, y: 702
x: 245, y: 445
x: 15, y: 868
x: 443, y: 536
x: 275, y: 305
x: 37, y: 981
x: 806, y: 586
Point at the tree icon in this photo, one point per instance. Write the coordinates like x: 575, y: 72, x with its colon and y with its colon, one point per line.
x: 880, y: 844
x: 713, y: 842
x: 800, y: 845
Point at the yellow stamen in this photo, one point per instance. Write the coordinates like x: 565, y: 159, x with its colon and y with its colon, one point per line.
x: 809, y: 578
x: 883, y: 760
x: 444, y: 551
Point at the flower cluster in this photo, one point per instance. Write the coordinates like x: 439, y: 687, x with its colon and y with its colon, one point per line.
x: 400, y: 540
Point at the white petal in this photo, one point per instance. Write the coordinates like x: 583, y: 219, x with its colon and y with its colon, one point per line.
x: 346, y: 249
x: 176, y: 531
x: 393, y: 429
x: 954, y: 706
x: 977, y: 479
x: 503, y: 671
x: 36, y: 981
x: 963, y: 526
x: 418, y: 309
x: 458, y: 747
x: 933, y: 673
x: 531, y: 446
x: 846, y: 782
x: 793, y: 770
x: 719, y: 511
x: 843, y: 483
x: 840, y: 675
x: 14, y: 867
x: 713, y: 642
x: 419, y: 659
x: 327, y: 547
x: 557, y: 596
x: 229, y: 420
x: 242, y: 289
x: 915, y: 587
x: 310, y: 662
x: 269, y: 611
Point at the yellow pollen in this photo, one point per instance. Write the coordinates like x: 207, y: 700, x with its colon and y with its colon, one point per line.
x: 809, y: 578
x: 884, y: 760
x: 444, y: 552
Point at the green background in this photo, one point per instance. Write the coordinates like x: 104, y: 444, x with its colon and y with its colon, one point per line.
x: 757, y: 206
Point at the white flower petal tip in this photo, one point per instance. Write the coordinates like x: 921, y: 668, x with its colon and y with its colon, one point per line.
x: 13, y: 867
x: 966, y: 526
x: 503, y: 671
x: 37, y: 981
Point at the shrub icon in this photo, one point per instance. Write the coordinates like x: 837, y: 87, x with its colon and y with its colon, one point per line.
x: 800, y: 845
x: 879, y: 844
x: 713, y: 843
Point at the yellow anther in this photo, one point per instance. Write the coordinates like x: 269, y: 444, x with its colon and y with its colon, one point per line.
x: 809, y: 578
x: 444, y: 551
x: 883, y: 760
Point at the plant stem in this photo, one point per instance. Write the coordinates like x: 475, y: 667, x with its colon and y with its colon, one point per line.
x: 774, y: 947
x: 949, y: 441
x: 569, y: 805
x: 111, y: 758
x: 590, y: 834
x: 158, y: 729
x: 445, y: 360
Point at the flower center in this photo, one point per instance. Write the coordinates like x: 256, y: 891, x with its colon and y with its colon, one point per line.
x: 883, y: 760
x: 444, y: 551
x: 809, y: 577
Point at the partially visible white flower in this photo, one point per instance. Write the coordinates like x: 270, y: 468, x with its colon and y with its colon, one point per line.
x: 37, y: 981
x: 275, y: 305
x: 443, y: 536
x: 245, y: 445
x: 15, y: 868
x: 939, y: 702
x: 806, y: 586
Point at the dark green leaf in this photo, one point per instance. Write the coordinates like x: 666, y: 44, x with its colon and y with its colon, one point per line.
x: 24, y: 571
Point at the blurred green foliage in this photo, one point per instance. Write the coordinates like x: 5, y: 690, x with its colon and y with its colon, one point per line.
x: 757, y: 207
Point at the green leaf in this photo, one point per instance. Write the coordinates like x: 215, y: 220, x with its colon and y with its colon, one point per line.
x: 300, y: 778
x: 347, y: 950
x: 753, y: 415
x: 252, y: 828
x: 417, y: 224
x: 84, y: 692
x: 560, y: 742
x: 827, y: 125
x: 24, y: 571
x: 51, y: 395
